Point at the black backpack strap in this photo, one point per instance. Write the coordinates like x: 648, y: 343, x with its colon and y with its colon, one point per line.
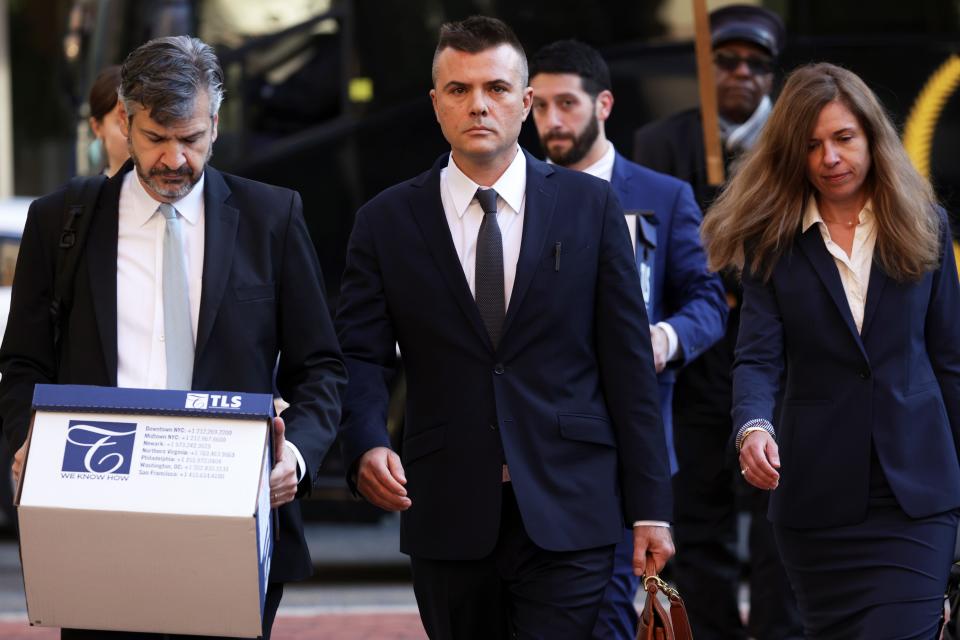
x: 79, y: 205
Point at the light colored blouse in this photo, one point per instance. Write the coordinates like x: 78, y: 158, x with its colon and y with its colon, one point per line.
x: 854, y: 268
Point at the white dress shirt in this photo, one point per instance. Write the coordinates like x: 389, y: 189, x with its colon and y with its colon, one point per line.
x: 141, y: 353
x: 464, y: 216
x: 854, y: 268
x: 603, y: 169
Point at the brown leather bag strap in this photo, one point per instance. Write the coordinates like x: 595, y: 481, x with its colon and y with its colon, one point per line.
x: 678, y: 615
x: 650, y: 569
x: 654, y: 622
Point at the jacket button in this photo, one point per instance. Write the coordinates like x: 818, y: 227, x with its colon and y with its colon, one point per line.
x: 864, y: 375
x: 498, y: 369
x: 493, y: 427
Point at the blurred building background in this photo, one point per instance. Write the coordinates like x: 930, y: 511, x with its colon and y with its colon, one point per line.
x: 330, y: 96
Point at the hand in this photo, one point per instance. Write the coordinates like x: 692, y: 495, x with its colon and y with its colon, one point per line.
x: 661, y: 347
x: 380, y: 479
x: 759, y: 460
x: 653, y: 541
x: 283, y: 476
x: 16, y: 468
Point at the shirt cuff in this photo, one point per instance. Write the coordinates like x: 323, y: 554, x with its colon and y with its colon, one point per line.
x: 651, y: 523
x: 301, y: 465
x: 757, y: 424
x: 673, y: 342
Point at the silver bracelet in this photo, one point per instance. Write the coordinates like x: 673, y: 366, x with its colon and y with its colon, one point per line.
x: 753, y: 425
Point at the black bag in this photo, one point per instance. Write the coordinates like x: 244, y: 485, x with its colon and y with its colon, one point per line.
x: 81, y: 201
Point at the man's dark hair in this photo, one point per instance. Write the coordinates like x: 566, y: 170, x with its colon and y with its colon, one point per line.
x: 476, y: 34
x: 165, y: 75
x: 572, y: 56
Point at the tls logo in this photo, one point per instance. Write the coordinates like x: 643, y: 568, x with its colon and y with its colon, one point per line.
x: 212, y: 401
x: 197, y: 400
x: 99, y: 447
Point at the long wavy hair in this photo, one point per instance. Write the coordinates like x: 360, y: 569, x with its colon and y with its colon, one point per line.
x: 762, y: 206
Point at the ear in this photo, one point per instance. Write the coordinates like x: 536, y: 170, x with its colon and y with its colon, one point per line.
x: 124, y: 120
x: 433, y: 100
x: 213, y: 134
x: 527, y: 101
x: 604, y: 105
x: 94, y: 126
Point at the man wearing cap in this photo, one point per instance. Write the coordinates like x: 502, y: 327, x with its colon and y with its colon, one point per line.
x: 746, y: 42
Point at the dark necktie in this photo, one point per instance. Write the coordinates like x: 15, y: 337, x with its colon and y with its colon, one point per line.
x: 489, y: 267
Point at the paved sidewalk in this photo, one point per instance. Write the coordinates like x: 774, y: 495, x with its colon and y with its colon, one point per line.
x: 348, y: 626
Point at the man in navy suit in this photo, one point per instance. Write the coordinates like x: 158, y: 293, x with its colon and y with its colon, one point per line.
x: 533, y: 429
x: 685, y: 303
x: 250, y: 293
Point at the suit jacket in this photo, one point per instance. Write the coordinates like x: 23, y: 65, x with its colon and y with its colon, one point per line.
x: 262, y: 295
x: 674, y: 145
x: 683, y: 293
x: 895, y: 385
x: 568, y: 399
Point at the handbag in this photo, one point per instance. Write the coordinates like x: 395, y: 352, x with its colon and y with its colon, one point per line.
x: 654, y: 622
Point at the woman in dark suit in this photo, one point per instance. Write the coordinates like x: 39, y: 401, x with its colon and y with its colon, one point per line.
x: 851, y: 311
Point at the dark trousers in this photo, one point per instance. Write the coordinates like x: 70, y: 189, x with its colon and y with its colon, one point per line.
x: 618, y: 615
x: 518, y: 591
x: 707, y: 494
x: 274, y: 593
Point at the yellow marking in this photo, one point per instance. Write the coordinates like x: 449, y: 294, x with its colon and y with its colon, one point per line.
x: 360, y: 90
x: 922, y: 121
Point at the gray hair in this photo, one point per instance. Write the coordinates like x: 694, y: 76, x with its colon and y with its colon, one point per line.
x: 165, y: 76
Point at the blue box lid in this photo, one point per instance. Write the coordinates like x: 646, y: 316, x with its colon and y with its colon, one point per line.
x: 87, y: 399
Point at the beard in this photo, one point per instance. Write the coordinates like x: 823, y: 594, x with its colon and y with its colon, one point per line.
x: 152, y: 177
x: 582, y: 142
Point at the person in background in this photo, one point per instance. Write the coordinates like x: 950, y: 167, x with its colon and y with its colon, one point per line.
x: 111, y: 144
x: 533, y: 430
x: 850, y: 306
x: 709, y: 493
x: 685, y: 303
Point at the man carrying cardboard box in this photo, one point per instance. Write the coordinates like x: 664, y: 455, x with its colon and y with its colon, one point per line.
x: 188, y: 279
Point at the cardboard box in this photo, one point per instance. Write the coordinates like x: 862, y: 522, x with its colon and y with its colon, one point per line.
x: 146, y: 510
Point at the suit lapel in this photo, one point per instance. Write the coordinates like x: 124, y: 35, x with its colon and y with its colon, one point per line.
x: 101, y: 254
x: 878, y: 280
x: 541, y: 200
x: 620, y: 181
x: 811, y: 242
x: 219, y: 240
x: 427, y: 209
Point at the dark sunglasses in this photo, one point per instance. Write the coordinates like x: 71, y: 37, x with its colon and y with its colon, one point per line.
x: 758, y: 65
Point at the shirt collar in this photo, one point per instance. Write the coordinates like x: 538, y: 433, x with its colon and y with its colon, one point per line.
x: 603, y: 168
x: 811, y: 214
x: 511, y: 186
x: 189, y: 206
